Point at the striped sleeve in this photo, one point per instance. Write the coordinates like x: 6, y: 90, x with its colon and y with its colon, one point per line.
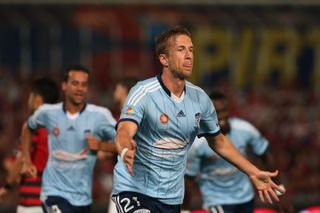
x: 136, y: 101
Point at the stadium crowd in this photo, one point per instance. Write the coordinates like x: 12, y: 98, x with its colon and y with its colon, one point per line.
x: 289, y: 117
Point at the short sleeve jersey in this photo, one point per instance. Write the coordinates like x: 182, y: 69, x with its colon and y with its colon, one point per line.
x: 220, y: 182
x: 70, y: 164
x: 167, y: 126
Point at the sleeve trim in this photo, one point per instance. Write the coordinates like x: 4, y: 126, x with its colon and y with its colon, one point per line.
x: 126, y: 119
x: 209, y: 134
x: 190, y: 176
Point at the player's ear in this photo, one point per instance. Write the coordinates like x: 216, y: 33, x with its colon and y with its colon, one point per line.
x: 164, y: 60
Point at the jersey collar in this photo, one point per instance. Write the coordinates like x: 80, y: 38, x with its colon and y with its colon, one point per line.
x: 164, y: 86
x: 65, y: 110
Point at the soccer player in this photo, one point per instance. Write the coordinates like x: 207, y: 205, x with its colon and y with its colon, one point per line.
x: 224, y: 188
x: 159, y: 122
x: 120, y: 94
x: 74, y: 127
x: 122, y: 89
x: 42, y: 91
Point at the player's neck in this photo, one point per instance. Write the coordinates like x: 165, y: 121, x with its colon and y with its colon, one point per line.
x: 174, y: 84
x: 73, y: 108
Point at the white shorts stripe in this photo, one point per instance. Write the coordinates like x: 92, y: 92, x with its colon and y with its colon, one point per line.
x: 220, y: 209
x: 118, y: 204
x: 216, y: 209
x: 213, y: 210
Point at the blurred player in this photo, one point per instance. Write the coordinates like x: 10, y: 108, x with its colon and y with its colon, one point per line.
x: 159, y: 122
x: 42, y: 91
x: 224, y: 188
x: 75, y: 128
x: 122, y: 89
x: 120, y: 94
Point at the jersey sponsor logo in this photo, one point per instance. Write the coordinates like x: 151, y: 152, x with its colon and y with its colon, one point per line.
x: 130, y: 111
x: 170, y: 143
x: 56, y: 131
x: 164, y: 118
x: 67, y: 156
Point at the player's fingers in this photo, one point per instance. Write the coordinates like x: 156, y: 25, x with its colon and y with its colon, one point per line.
x: 34, y: 172
x: 273, y: 174
x: 89, y: 137
x: 279, y: 188
x: 133, y: 144
x: 266, y: 194
x: 261, y: 196
x: 130, y: 170
x: 274, y: 195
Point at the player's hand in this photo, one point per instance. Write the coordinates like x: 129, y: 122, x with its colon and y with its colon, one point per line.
x: 93, y: 143
x: 29, y: 170
x: 128, y: 157
x: 3, y: 192
x: 265, y: 186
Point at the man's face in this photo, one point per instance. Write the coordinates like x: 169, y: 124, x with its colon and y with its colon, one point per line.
x: 120, y: 93
x: 34, y: 101
x: 223, y: 113
x: 76, y: 88
x: 180, y: 56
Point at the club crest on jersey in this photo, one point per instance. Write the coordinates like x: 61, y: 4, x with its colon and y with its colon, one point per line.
x: 198, y: 118
x: 164, y: 118
x: 130, y: 111
x: 56, y: 131
x: 87, y: 132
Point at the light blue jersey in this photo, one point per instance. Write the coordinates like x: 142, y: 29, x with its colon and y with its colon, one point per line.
x: 167, y: 126
x: 220, y: 182
x: 68, y: 173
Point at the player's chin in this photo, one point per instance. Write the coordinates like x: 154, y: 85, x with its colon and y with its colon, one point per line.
x: 78, y: 101
x: 187, y: 73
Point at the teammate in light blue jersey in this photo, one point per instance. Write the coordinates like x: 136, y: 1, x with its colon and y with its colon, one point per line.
x: 224, y: 188
x: 159, y: 122
x: 75, y: 128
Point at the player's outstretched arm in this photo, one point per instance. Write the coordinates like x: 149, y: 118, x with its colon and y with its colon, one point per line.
x: 125, y: 145
x: 28, y: 168
x: 261, y: 179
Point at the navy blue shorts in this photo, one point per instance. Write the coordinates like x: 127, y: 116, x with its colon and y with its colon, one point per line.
x: 128, y: 202
x: 55, y: 204
x: 247, y: 207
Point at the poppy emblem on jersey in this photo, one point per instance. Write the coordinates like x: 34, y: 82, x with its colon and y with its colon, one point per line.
x: 164, y: 118
x: 56, y: 131
x: 130, y: 111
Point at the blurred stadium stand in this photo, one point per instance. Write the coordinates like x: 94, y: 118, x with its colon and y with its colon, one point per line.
x: 265, y: 54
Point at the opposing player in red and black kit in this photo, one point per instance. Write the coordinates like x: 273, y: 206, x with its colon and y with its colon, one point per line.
x: 42, y: 91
